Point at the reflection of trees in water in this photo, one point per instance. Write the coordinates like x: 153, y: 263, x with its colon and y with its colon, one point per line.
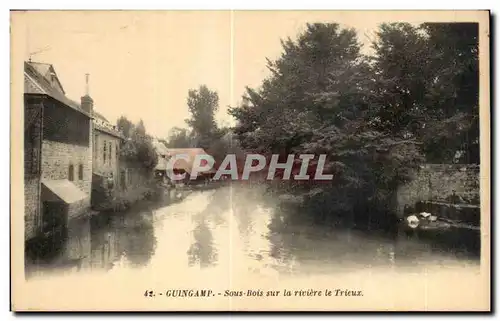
x: 44, y: 250
x: 294, y: 236
x: 219, y: 203
x: 279, y: 236
x: 251, y: 206
x: 136, y: 238
x: 202, y: 250
x: 104, y: 243
x: 96, y: 241
x: 66, y: 248
x: 245, y: 202
x: 77, y: 247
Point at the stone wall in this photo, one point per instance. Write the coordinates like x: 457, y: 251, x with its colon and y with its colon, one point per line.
x: 102, y: 164
x: 438, y: 181
x: 32, y: 140
x: 56, y: 158
x: 31, y: 206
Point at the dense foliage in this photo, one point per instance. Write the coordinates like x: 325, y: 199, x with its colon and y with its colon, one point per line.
x: 427, y: 87
x: 414, y: 100
x: 179, y: 138
x: 203, y: 131
x: 138, y: 148
x: 203, y: 104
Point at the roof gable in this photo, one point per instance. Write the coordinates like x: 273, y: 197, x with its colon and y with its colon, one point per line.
x: 182, y: 163
x: 49, y: 73
x: 160, y: 148
x: 103, y: 125
x: 99, y: 116
x: 36, y: 83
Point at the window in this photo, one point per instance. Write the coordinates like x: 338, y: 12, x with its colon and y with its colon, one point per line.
x: 80, y: 172
x: 71, y: 172
x: 110, y: 152
x: 104, y: 154
x: 96, y: 148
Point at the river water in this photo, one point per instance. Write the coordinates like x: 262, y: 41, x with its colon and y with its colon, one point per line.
x: 230, y: 231
x: 248, y: 253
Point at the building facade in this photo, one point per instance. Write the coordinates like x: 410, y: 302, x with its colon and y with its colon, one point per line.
x: 106, y: 176
x: 32, y: 172
x: 58, y: 152
x: 184, y: 165
x: 160, y: 170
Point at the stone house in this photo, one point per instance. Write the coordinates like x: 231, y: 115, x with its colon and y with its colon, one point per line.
x: 57, y: 152
x: 106, y: 175
x: 160, y: 170
x: 185, y: 166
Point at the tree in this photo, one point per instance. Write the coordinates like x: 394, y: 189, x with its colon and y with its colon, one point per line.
x: 427, y: 87
x: 456, y: 88
x: 203, y: 104
x: 125, y: 126
x: 179, y: 138
x: 402, y: 72
x: 140, y: 129
x: 318, y: 100
x: 137, y: 149
x: 305, y: 86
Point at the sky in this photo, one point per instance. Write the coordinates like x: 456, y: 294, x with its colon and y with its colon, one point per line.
x: 143, y: 63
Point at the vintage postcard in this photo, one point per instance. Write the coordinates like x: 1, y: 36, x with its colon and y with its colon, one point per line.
x: 250, y: 160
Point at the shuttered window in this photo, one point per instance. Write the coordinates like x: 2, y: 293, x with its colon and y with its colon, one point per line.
x: 104, y: 154
x: 71, y: 172
x: 110, y: 151
x: 80, y: 172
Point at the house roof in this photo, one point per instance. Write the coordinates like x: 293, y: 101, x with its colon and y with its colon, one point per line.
x: 162, y: 151
x: 162, y: 164
x: 160, y: 147
x: 108, y: 130
x: 99, y: 116
x: 102, y: 124
x: 184, y: 164
x: 65, y: 190
x: 36, y: 81
x: 47, y: 70
x: 189, y: 151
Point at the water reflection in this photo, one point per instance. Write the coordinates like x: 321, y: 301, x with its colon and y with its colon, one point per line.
x: 203, y: 250
x: 94, y: 243
x: 233, y: 229
x: 137, y: 238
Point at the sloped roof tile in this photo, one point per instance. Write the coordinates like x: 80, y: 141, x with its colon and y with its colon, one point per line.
x: 36, y: 83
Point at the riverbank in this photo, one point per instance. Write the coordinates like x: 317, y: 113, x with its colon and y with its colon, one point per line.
x: 311, y: 208
x: 122, y: 200
x: 232, y: 227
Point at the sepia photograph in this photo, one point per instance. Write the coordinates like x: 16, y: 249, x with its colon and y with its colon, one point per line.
x: 250, y: 160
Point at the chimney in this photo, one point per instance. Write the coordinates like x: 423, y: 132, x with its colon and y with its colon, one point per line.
x: 87, y: 103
